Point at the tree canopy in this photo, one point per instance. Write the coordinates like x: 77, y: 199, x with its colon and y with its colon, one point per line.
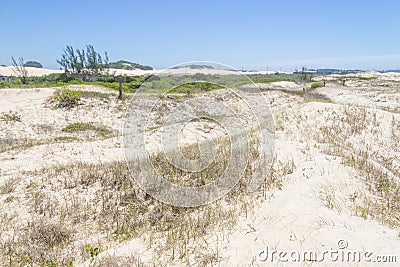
x: 126, y: 65
x: 81, y: 61
x: 33, y: 64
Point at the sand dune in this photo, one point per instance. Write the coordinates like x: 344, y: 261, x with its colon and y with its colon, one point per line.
x: 333, y: 145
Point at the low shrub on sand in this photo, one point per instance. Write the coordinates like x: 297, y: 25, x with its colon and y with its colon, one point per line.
x: 316, y: 85
x: 66, y: 98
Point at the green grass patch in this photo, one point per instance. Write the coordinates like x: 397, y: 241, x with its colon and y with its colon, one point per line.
x: 367, y: 78
x: 94, y: 94
x: 46, y: 81
x: 316, y: 85
x: 86, y: 127
x: 60, y: 80
x: 66, y: 98
x: 10, y: 117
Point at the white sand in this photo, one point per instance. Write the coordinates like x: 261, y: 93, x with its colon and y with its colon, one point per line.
x: 293, y: 218
x: 9, y: 71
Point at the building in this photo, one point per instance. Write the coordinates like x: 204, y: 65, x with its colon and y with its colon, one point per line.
x: 5, y: 78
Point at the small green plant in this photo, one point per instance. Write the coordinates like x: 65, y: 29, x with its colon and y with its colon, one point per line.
x: 27, y: 260
x: 50, y: 263
x: 317, y: 97
x: 363, y: 211
x: 94, y: 94
x: 78, y: 127
x: 11, y: 117
x: 67, y: 98
x: 196, y: 87
x: 92, y: 251
x: 316, y: 85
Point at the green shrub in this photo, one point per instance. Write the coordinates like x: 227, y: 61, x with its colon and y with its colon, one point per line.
x: 93, y: 251
x: 94, y: 94
x: 67, y: 98
x: 10, y: 117
x: 87, y: 126
x: 316, y: 85
x: 196, y: 87
x: 6, y: 84
x: 368, y: 78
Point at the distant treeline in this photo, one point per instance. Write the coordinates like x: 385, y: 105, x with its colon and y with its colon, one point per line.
x: 153, y: 82
x: 33, y: 64
x: 126, y: 65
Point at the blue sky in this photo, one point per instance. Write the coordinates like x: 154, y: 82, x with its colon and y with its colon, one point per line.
x: 250, y: 34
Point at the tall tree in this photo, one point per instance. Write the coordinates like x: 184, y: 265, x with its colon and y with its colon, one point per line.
x: 81, y: 61
x: 20, y: 68
x: 66, y: 60
x: 94, y: 60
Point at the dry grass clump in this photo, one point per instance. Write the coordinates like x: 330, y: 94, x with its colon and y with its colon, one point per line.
x: 118, y: 261
x: 379, y: 172
x: 8, y: 186
x: 38, y: 244
x: 71, y: 213
x: 193, y: 179
x: 316, y: 97
x: 11, y: 143
x: 81, y: 206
